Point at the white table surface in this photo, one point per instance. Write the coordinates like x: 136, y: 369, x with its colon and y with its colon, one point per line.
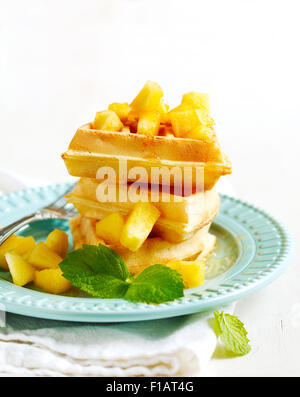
x: 62, y: 61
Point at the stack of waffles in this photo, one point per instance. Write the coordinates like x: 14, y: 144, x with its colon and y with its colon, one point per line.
x: 147, y: 179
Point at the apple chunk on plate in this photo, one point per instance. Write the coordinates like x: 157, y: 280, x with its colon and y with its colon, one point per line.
x: 22, y: 272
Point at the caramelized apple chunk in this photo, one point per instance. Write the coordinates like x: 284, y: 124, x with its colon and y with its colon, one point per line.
x: 196, y: 100
x: 42, y: 257
x: 201, y: 132
x: 52, y: 281
x: 110, y: 228
x: 148, y: 123
x: 184, y: 120
x: 121, y: 109
x: 192, y: 272
x: 148, y: 99
x: 107, y: 120
x: 58, y: 242
x: 138, y: 225
x: 21, y: 271
x: 21, y: 245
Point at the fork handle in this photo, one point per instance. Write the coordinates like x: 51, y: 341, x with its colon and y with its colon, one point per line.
x: 7, y: 231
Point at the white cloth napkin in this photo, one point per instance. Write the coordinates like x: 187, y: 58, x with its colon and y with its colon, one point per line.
x: 168, y: 347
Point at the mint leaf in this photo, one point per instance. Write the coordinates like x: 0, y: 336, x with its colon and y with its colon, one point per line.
x: 98, y: 270
x: 91, y: 259
x: 156, y: 284
x: 232, y: 333
x: 104, y: 286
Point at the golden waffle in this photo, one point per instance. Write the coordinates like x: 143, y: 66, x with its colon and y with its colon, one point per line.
x: 178, y: 220
x: 92, y: 149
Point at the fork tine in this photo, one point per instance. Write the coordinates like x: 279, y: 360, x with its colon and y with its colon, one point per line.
x: 60, y: 201
x: 57, y: 204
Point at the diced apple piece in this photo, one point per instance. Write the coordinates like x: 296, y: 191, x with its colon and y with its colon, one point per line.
x: 138, y: 225
x: 52, y: 281
x: 204, y: 118
x: 27, y: 244
x: 19, y: 244
x: 121, y: 109
x: 27, y: 254
x: 10, y: 244
x: 110, y: 228
x: 107, y: 120
x: 58, y: 242
x: 163, y: 107
x: 192, y: 272
x: 42, y: 257
x: 148, y: 99
x: 202, y: 132
x: 184, y: 121
x: 163, y: 111
x: 148, y: 124
x: 180, y: 108
x: 22, y: 272
x: 196, y: 100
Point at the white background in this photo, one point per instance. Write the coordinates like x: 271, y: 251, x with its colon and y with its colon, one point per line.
x: 61, y: 61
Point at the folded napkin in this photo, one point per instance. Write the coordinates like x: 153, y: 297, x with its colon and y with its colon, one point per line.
x: 167, y: 347
x: 176, y: 346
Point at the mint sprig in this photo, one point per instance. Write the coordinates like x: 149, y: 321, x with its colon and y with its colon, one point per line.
x: 101, y: 272
x: 232, y: 333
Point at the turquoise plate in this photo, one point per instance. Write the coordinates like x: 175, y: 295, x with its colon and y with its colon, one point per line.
x: 252, y: 250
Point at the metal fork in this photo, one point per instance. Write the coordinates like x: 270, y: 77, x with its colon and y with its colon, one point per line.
x: 59, y: 209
